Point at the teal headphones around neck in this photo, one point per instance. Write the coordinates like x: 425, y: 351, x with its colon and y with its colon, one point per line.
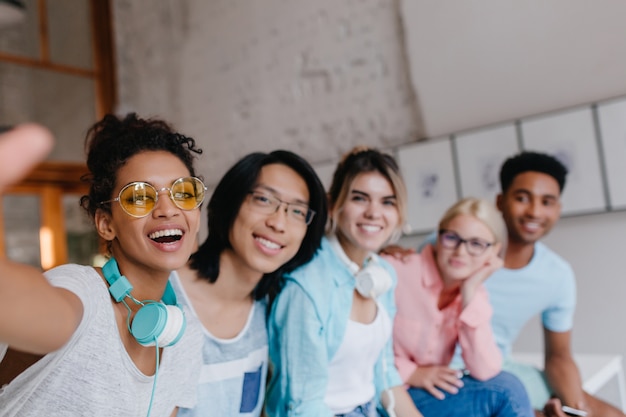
x: 156, y: 323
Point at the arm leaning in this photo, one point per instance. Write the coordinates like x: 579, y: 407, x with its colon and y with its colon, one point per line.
x: 480, y: 352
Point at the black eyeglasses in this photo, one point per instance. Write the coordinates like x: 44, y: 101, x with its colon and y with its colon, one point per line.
x: 266, y: 203
x: 139, y: 198
x: 451, y: 240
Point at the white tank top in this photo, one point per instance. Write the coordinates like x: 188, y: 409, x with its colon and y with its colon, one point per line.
x: 351, y: 370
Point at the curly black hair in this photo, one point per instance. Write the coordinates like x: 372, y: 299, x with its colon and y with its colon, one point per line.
x: 112, y: 141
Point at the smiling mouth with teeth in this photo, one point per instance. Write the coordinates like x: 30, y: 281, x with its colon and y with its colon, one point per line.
x: 267, y: 243
x: 166, y: 236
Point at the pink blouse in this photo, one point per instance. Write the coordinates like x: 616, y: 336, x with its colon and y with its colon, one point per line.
x: 423, y: 335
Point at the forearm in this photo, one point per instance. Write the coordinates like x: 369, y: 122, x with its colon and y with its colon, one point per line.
x: 480, y: 352
x: 406, y: 368
x: 413, y: 379
x: 564, y: 379
x: 402, y: 403
x: 35, y: 317
x: 481, y: 355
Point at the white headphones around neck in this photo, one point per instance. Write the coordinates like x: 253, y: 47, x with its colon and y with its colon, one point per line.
x: 372, y: 280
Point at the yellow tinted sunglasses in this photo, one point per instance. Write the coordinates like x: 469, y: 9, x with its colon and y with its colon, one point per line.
x: 139, y: 198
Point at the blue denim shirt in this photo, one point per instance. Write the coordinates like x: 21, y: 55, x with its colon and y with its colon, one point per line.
x: 306, y: 326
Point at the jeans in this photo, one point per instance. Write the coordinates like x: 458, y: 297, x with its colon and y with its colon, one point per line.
x: 365, y: 410
x: 501, y: 396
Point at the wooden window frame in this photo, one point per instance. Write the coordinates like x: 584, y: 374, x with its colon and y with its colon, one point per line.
x: 52, y: 180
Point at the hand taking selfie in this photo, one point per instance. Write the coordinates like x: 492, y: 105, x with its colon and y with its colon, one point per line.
x: 21, y: 148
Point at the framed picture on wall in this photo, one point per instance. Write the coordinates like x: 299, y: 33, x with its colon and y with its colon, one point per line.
x: 570, y: 137
x: 612, y: 119
x: 428, y: 170
x: 480, y: 154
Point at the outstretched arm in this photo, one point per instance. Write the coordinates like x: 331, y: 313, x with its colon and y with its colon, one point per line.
x: 34, y: 316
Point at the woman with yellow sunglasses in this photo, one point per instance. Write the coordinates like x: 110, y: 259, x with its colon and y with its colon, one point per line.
x: 94, y: 341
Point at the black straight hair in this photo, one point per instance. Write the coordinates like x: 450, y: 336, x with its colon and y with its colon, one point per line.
x: 227, y: 199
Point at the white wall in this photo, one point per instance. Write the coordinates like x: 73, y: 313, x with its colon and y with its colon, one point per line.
x: 475, y: 63
x: 316, y: 77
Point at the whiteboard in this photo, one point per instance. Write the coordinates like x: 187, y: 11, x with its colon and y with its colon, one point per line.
x: 480, y: 155
x: 428, y: 170
x: 612, y: 119
x: 570, y: 137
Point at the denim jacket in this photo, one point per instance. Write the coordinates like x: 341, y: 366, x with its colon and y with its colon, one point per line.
x: 306, y: 326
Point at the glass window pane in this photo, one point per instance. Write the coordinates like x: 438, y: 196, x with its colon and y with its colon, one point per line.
x: 22, y: 37
x: 82, y: 239
x: 69, y: 29
x: 64, y: 103
x: 22, y: 222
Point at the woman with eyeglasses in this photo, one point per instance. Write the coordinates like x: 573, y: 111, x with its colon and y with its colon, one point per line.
x: 265, y: 218
x: 330, y: 327
x: 442, y: 302
x: 112, y: 341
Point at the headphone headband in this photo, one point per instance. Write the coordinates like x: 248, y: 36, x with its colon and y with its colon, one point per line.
x: 159, y: 323
x: 120, y: 287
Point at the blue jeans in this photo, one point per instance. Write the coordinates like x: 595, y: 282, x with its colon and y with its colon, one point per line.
x: 365, y: 410
x: 501, y: 396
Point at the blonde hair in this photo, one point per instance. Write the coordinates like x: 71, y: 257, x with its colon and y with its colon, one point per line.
x: 359, y: 160
x: 484, y: 211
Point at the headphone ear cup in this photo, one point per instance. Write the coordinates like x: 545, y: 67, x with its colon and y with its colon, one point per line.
x: 174, y: 328
x: 373, y: 281
x: 157, y: 322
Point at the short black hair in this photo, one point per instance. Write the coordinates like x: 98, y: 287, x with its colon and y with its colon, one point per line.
x: 532, y: 161
x: 224, y: 206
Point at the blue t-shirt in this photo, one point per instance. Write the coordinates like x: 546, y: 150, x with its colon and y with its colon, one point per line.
x: 233, y: 372
x: 545, y: 286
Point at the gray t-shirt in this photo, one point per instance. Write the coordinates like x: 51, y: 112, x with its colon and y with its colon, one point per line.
x: 93, y: 375
x: 232, y: 378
